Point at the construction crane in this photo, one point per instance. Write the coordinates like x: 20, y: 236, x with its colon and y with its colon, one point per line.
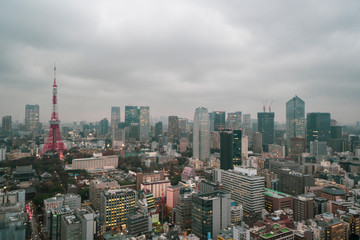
x: 270, y: 106
x: 264, y: 105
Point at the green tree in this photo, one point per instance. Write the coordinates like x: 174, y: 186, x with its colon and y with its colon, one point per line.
x: 175, y: 180
x: 84, y: 193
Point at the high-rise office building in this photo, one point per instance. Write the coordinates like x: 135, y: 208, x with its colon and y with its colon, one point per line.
x: 237, y: 147
x: 183, y: 124
x: 78, y: 225
x: 6, y: 123
x: 354, y: 143
x: 140, y: 223
x: 257, y: 143
x: 116, y: 205
x: 32, y: 117
x: 244, y: 148
x: 245, y: 186
x: 304, y: 207
x: 211, y: 212
x: 246, y: 124
x: 318, y: 148
x: 104, y: 127
x: 97, y: 186
x: 158, y: 130
x: 219, y: 120
x: 131, y: 115
x: 321, y: 205
x: 295, y: 119
x: 297, y: 147
x: 115, y: 120
x: 318, y: 127
x: 226, y: 149
x: 201, y: 134
x: 183, y: 211
x: 336, y: 132
x: 144, y: 122
x: 215, y: 140
x: 173, y: 133
x: 134, y: 132
x: 294, y: 183
x: 266, y: 128
x: 212, y: 119
x: 233, y: 121
x: 54, y: 222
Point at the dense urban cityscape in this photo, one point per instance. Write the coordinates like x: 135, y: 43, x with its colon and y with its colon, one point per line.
x: 179, y: 120
x: 217, y: 176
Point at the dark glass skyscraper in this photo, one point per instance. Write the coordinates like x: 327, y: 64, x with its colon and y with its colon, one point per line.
x: 237, y: 134
x: 266, y: 128
x: 226, y: 149
x: 158, y: 130
x: 219, y: 120
x: 210, y: 213
x: 6, y: 123
x: 104, y: 126
x: 295, y: 119
x: 318, y: 127
x: 131, y: 115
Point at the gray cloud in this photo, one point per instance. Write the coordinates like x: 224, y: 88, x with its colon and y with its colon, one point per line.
x: 177, y: 55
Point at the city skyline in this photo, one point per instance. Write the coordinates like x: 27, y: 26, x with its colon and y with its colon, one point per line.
x: 178, y: 120
x: 167, y: 54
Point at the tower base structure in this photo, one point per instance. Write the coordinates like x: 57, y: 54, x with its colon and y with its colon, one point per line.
x: 54, y: 143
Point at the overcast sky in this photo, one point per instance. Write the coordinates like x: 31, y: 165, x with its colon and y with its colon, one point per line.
x: 175, y: 56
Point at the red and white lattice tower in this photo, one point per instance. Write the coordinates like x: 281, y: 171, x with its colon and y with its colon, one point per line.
x: 54, y: 144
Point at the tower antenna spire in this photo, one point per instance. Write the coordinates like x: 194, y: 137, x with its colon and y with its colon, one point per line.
x: 55, y: 73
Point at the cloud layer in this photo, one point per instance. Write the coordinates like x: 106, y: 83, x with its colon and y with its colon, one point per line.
x: 177, y: 55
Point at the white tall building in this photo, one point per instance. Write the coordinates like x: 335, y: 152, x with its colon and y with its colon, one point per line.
x: 245, y: 186
x: 201, y: 134
x: 144, y: 122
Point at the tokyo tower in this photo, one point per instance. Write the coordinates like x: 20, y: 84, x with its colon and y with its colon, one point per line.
x: 54, y: 144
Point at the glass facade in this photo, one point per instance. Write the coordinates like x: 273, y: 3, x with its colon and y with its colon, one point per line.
x: 237, y: 135
x: 32, y: 117
x: 144, y: 122
x: 226, y: 150
x: 201, y: 134
x: 295, y: 118
x: 318, y: 127
x: 266, y: 128
x: 131, y: 115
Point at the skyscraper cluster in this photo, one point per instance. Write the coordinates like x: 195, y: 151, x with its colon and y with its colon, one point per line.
x: 205, y: 175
